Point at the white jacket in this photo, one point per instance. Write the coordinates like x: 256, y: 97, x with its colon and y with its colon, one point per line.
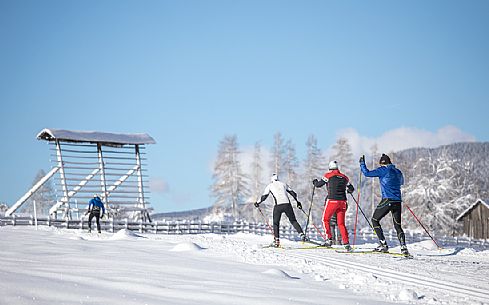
x: 280, y: 192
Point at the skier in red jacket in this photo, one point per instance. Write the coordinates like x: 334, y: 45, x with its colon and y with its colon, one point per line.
x: 338, y: 184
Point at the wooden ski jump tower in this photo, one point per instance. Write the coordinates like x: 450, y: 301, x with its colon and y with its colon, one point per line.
x: 88, y: 163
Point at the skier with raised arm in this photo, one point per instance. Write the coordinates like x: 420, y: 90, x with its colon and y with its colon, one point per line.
x: 390, y: 179
x: 335, y: 202
x: 280, y: 193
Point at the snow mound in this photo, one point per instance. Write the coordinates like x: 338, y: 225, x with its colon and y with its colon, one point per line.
x: 425, y: 245
x: 124, y: 234
x: 187, y: 246
x: 278, y: 273
x: 408, y: 295
x: 468, y: 251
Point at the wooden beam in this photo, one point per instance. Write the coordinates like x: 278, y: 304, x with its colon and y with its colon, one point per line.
x: 29, y: 193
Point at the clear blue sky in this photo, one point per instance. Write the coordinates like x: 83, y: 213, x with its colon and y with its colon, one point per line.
x: 190, y: 72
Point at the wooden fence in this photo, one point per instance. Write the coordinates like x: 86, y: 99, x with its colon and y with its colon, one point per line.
x: 199, y: 227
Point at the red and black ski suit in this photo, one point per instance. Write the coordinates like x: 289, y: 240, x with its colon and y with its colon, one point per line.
x: 335, y: 202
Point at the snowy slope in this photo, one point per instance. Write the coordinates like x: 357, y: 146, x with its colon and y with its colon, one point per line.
x: 53, y: 266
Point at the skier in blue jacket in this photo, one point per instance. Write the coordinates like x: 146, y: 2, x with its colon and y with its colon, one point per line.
x: 390, y: 179
x: 95, y: 206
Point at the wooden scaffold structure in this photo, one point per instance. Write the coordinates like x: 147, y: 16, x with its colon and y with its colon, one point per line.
x: 87, y: 163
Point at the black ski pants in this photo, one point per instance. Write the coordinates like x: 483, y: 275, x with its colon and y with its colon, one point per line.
x: 95, y: 214
x: 385, y: 206
x: 286, y: 208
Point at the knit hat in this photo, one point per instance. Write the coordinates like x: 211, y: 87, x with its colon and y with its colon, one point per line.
x: 384, y: 160
x: 333, y: 165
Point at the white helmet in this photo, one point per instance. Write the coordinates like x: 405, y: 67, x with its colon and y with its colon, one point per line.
x: 333, y: 165
x: 274, y: 177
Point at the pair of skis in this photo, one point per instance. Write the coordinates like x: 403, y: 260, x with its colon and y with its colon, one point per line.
x: 315, y: 245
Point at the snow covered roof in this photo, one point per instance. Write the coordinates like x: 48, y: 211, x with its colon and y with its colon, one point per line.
x: 473, y: 206
x: 49, y: 134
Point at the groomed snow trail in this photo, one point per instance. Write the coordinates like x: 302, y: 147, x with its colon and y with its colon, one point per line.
x: 387, y: 273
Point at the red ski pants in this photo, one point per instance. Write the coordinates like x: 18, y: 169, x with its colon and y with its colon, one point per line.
x: 338, y: 207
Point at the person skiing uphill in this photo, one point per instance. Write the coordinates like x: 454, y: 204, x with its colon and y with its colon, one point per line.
x: 390, y: 179
x: 95, y: 205
x: 280, y: 193
x: 335, y: 203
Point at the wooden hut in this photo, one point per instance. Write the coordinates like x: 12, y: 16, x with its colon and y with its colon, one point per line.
x: 476, y: 220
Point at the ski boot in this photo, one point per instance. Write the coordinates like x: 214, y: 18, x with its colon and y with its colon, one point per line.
x: 275, y: 243
x: 382, y: 247
x: 304, y: 238
x: 327, y: 243
x: 89, y: 230
x: 348, y: 248
x: 404, y: 250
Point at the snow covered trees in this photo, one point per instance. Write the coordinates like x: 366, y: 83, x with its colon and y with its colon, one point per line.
x: 442, y: 182
x: 439, y: 183
x: 230, y: 186
x: 44, y: 197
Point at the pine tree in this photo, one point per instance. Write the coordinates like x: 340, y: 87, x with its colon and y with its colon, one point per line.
x: 230, y: 187
x: 277, y: 155
x: 341, y: 152
x: 291, y: 164
x: 256, y: 181
x: 3, y: 208
x: 44, y: 197
x: 313, y: 168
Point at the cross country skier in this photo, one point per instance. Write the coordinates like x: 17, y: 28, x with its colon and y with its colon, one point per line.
x: 338, y: 184
x: 280, y: 191
x: 391, y: 180
x: 94, y: 207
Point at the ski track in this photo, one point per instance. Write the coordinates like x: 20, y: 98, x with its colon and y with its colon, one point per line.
x: 325, y: 258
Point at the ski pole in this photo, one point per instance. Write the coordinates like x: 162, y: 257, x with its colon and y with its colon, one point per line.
x: 319, y: 231
x: 266, y: 220
x: 423, y: 226
x: 310, y: 208
x: 362, y: 211
x: 358, y: 205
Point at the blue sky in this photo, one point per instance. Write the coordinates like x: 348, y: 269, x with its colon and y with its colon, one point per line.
x: 190, y: 72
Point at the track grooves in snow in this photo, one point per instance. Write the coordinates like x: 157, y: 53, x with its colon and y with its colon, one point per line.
x: 393, y: 275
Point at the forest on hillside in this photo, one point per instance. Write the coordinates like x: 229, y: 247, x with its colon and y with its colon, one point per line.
x: 440, y: 182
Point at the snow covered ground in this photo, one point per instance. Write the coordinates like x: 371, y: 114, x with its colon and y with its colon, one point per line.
x: 57, y: 266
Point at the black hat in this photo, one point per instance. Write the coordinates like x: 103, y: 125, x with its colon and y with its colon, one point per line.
x: 384, y: 160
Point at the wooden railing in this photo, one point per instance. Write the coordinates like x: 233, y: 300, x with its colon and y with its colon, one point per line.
x: 199, y: 227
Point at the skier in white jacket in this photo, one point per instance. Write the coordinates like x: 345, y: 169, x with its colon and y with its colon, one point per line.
x: 280, y: 193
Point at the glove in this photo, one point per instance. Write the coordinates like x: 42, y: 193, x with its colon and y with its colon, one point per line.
x: 299, y: 205
x: 350, y: 189
x: 362, y: 159
x: 257, y: 204
x: 315, y: 182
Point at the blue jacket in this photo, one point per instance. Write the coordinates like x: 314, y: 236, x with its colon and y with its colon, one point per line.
x: 96, y: 202
x: 390, y: 179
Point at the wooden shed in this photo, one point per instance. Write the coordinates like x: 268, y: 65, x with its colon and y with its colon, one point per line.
x: 476, y: 220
